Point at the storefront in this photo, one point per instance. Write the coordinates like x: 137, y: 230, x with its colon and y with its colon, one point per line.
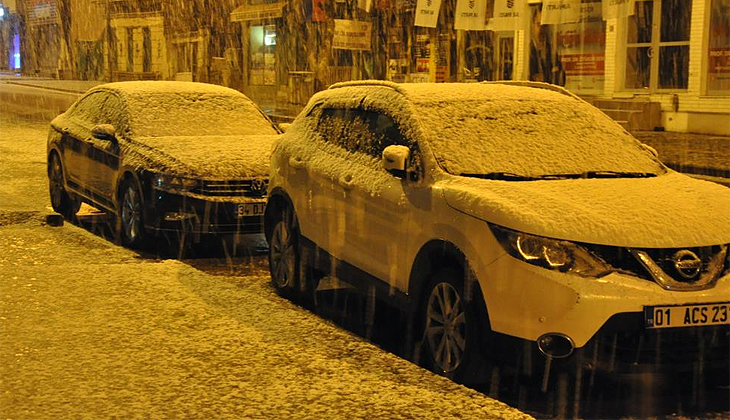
x: 260, y: 23
x: 665, y: 63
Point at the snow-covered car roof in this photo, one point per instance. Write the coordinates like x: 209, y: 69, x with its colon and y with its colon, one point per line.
x: 522, y: 128
x: 172, y: 108
x: 141, y: 87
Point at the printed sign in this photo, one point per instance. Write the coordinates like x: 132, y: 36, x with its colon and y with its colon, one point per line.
x: 471, y: 15
x: 613, y: 9
x: 560, y: 11
x: 582, y: 49
x: 352, y: 35
x: 509, y: 15
x: 365, y: 5
x: 427, y: 13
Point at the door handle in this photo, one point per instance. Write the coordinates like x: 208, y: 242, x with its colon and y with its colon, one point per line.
x: 346, y: 182
x: 297, y: 163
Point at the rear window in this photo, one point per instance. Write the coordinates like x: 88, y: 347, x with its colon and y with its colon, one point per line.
x: 194, y: 114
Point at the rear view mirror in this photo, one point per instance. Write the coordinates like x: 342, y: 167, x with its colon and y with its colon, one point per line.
x: 395, y: 159
x: 104, y: 132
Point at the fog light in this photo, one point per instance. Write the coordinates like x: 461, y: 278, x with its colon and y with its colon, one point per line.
x: 555, y: 345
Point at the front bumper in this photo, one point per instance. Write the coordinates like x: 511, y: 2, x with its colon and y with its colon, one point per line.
x: 527, y: 302
x: 198, y: 215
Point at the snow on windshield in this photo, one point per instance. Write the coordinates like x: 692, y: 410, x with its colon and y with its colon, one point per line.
x: 485, y: 128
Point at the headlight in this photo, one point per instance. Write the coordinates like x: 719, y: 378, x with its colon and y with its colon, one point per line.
x: 552, y: 254
x: 174, y: 183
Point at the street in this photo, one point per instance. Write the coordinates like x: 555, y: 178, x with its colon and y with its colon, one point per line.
x: 92, y: 330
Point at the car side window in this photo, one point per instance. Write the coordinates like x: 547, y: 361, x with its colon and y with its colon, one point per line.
x: 359, y: 130
x: 88, y: 110
x: 114, y: 113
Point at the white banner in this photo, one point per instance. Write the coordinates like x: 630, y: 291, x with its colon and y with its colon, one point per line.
x: 471, y: 15
x: 365, y: 5
x: 509, y: 15
x: 613, y: 9
x: 427, y: 13
x: 352, y: 35
x: 560, y: 11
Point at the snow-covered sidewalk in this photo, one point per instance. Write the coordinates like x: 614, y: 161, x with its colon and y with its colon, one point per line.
x: 90, y: 330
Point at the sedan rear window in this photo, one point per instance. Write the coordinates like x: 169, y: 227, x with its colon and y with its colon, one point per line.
x: 194, y: 114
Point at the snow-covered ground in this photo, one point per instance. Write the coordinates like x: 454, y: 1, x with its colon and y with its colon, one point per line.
x: 91, y: 330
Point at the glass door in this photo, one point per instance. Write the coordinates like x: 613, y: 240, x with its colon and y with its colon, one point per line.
x: 657, y: 45
x: 505, y: 56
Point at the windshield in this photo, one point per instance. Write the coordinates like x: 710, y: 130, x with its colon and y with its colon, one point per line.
x: 557, y: 135
x: 194, y: 114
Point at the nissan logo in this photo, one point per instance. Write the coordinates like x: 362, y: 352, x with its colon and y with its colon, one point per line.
x: 258, y: 187
x: 687, y: 263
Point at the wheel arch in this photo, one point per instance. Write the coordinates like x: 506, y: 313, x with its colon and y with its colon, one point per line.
x: 277, y: 202
x: 54, y: 151
x: 124, y: 175
x: 434, y: 255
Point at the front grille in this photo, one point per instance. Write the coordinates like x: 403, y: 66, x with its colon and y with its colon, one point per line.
x: 691, y: 268
x: 234, y: 188
x: 664, y: 258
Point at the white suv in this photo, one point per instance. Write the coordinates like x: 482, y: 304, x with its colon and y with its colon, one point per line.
x: 501, y: 209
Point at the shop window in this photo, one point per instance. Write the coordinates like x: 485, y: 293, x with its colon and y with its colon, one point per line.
x: 130, y: 49
x: 263, y: 55
x: 674, y: 44
x: 718, y: 60
x: 657, y: 45
x: 147, y: 49
x: 478, y: 56
x: 570, y: 54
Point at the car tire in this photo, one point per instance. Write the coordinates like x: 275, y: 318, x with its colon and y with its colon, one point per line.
x: 284, y: 256
x: 454, y: 329
x: 63, y: 202
x: 130, y: 216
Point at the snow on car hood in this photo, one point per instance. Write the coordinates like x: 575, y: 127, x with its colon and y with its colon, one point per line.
x: 212, y: 157
x: 668, y: 211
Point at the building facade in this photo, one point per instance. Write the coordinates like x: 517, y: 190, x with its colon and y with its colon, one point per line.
x: 651, y: 64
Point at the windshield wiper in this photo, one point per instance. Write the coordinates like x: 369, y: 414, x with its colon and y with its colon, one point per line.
x: 615, y: 174
x: 500, y: 176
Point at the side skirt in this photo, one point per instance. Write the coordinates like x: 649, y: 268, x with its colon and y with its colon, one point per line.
x: 322, y: 261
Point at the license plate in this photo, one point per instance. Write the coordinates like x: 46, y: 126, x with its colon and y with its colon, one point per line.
x: 687, y: 315
x: 251, y: 209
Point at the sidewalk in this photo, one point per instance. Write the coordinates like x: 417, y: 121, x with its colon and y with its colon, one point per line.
x: 706, y: 156
x: 703, y: 156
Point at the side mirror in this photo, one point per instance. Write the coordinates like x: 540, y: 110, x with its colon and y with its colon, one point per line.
x: 651, y: 150
x: 395, y: 160
x: 104, y: 132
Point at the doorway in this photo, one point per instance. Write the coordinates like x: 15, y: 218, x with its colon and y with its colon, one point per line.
x: 657, y: 45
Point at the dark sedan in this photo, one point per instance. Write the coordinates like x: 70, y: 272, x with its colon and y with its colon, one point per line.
x: 163, y: 157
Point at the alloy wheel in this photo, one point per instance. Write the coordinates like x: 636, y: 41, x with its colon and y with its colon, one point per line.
x: 446, y: 327
x: 131, y: 213
x: 56, y: 183
x: 283, y: 257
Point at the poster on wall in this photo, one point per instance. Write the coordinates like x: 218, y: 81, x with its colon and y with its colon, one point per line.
x: 581, y: 47
x: 471, y: 15
x: 423, y: 59
x: 718, y: 60
x: 427, y: 13
x: 560, y: 11
x: 352, y: 35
